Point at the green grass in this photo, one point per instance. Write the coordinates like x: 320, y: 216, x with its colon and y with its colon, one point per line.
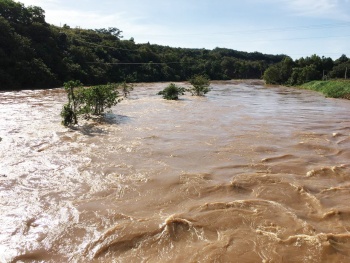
x: 330, y: 88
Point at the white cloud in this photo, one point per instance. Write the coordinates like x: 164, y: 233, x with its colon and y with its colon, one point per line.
x: 75, y: 18
x: 313, y: 6
x: 336, y: 9
x: 131, y: 26
x: 41, y: 3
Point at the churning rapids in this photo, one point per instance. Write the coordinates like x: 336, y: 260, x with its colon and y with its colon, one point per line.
x: 246, y: 174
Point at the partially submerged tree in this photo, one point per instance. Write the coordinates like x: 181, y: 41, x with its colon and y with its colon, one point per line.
x: 88, y: 101
x: 126, y: 88
x: 70, y: 110
x: 172, y: 92
x: 200, y: 85
x: 97, y: 99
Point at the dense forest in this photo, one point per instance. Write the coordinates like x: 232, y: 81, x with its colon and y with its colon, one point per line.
x: 303, y: 70
x: 35, y: 54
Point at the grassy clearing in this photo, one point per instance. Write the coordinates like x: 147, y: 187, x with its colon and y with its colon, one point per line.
x: 330, y: 88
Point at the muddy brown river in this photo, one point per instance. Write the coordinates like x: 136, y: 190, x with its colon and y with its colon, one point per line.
x: 246, y: 174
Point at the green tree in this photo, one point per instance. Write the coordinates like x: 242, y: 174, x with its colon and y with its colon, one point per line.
x: 93, y: 100
x: 99, y: 98
x: 342, y: 59
x: 279, y: 73
x: 112, y: 31
x: 35, y: 54
x: 340, y: 69
x: 272, y: 75
x: 302, y: 75
x: 71, y: 109
x: 172, y: 92
x: 200, y: 85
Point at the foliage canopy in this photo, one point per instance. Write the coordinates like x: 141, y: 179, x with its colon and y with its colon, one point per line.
x: 97, y: 99
x: 88, y: 101
x: 35, y: 54
x: 200, y: 85
x: 172, y: 92
x: 71, y: 110
x: 303, y: 70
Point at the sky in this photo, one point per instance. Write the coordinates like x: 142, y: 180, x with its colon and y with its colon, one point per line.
x: 297, y: 28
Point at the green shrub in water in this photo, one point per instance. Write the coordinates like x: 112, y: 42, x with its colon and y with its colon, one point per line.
x: 200, y: 85
x: 88, y: 101
x: 172, y: 92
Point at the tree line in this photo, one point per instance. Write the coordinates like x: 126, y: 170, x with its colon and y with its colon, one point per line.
x: 303, y: 70
x: 35, y: 54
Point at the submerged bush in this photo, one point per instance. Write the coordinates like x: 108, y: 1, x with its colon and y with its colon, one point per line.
x: 88, y: 101
x: 70, y: 110
x: 172, y: 92
x: 200, y: 85
x: 68, y: 116
x: 126, y: 88
x: 97, y: 99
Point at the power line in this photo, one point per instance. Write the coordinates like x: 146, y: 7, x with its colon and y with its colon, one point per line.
x: 245, y: 41
x: 321, y: 26
x: 140, y: 63
x: 160, y: 63
x: 294, y: 38
x: 276, y: 29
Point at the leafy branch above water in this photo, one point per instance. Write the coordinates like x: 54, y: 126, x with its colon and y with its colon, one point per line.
x: 200, y: 86
x: 89, y: 101
x: 172, y: 92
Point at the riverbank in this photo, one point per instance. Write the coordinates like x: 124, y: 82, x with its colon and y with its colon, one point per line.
x: 330, y: 88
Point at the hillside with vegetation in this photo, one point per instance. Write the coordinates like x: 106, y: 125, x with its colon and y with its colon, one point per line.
x: 35, y: 54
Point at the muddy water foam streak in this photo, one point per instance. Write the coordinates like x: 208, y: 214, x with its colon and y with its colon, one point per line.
x: 245, y: 174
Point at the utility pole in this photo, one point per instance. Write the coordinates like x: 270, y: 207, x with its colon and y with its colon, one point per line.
x: 346, y: 71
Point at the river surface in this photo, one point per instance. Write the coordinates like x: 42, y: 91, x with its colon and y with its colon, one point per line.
x: 247, y: 173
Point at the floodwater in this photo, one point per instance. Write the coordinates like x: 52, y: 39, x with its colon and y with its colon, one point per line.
x: 246, y: 174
